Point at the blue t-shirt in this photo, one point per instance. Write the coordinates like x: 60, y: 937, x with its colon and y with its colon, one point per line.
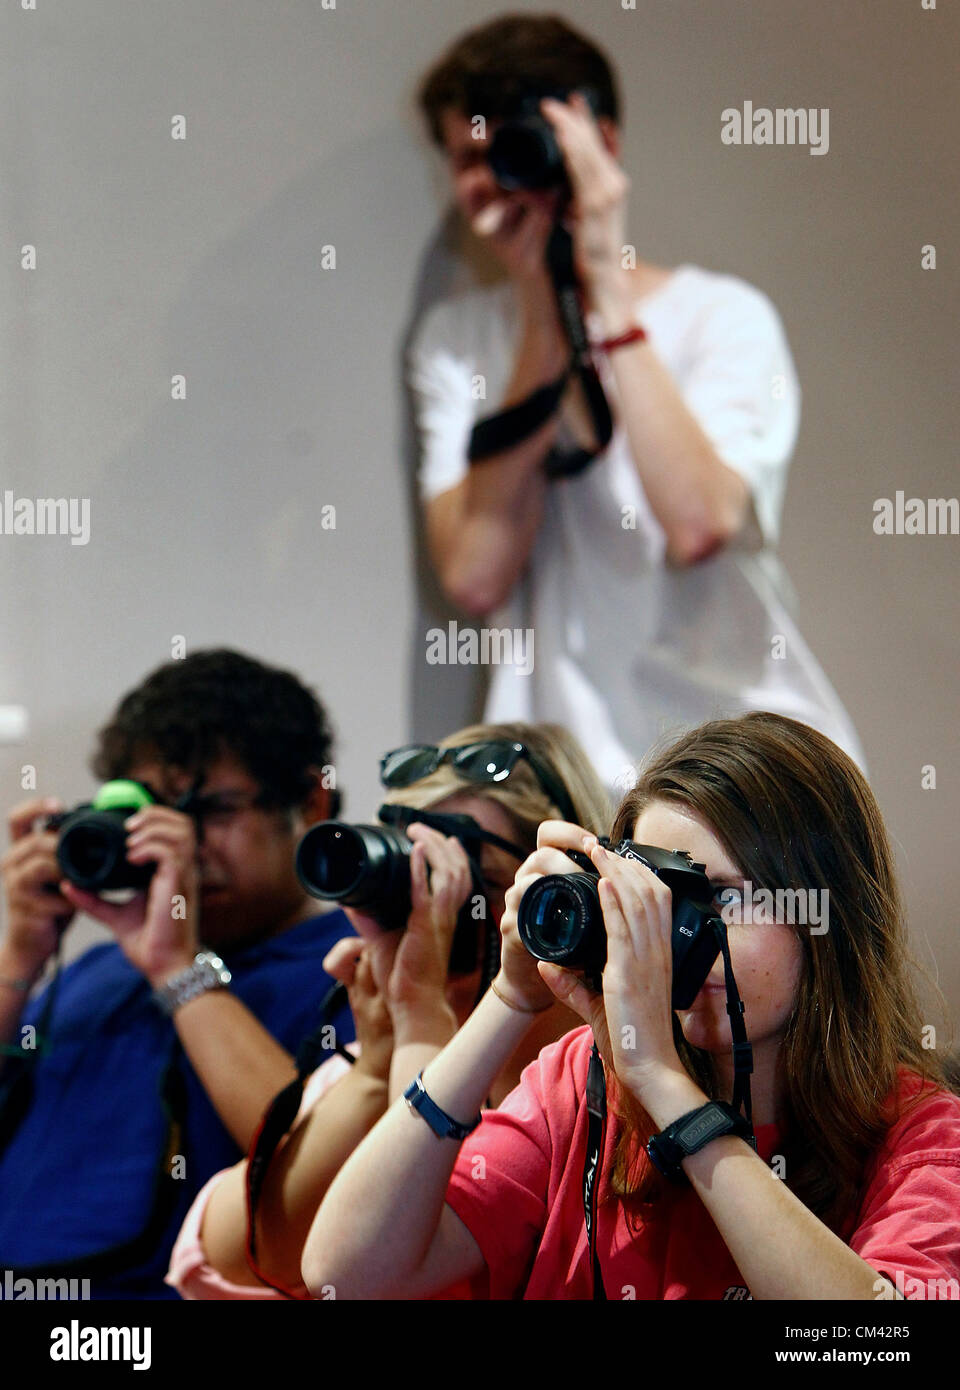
x: 79, y: 1174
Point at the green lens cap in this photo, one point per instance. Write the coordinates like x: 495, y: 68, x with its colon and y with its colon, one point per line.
x: 122, y: 795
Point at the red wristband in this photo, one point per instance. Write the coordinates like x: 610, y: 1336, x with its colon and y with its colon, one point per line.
x: 632, y: 335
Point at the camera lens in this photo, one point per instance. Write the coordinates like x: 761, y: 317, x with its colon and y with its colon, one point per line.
x: 88, y: 853
x: 330, y: 860
x: 362, y: 866
x: 560, y: 920
x: 525, y: 154
x: 92, y: 852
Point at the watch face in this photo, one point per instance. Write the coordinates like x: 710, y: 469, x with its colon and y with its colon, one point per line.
x: 709, y: 1123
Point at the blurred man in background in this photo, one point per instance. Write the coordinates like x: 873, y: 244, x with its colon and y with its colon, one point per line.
x: 645, y: 567
x: 145, y: 1066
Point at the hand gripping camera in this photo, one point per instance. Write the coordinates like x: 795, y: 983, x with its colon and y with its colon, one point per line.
x: 560, y: 918
x: 368, y: 867
x: 92, y: 846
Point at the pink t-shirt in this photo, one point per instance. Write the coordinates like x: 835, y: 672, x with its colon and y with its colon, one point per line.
x: 517, y: 1186
x: 189, y: 1272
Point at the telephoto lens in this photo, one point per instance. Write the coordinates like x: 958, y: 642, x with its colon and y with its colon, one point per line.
x: 560, y: 919
x: 361, y: 866
x: 368, y: 867
x: 92, y: 845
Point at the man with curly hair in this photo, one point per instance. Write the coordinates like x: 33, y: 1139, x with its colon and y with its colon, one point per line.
x: 145, y: 1066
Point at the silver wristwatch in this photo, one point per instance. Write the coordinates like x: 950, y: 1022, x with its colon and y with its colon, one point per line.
x: 207, y: 972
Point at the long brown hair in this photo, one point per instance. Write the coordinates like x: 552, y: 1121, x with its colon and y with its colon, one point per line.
x: 794, y: 812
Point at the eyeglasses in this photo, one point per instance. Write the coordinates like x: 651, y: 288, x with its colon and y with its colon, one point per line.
x: 218, y: 809
x: 490, y: 761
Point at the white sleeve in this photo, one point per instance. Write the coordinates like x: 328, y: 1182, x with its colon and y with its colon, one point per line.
x: 440, y: 376
x: 741, y: 386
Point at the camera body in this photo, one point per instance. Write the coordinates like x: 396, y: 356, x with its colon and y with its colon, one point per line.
x: 368, y: 867
x: 92, y: 843
x: 560, y: 918
x: 524, y: 152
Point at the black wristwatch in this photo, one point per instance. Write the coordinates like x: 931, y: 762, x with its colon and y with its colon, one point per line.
x: 694, y: 1131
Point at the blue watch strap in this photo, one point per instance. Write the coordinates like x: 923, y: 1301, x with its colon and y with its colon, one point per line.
x: 443, y: 1125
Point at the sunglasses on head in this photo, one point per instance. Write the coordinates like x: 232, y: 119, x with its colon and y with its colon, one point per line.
x: 487, y: 761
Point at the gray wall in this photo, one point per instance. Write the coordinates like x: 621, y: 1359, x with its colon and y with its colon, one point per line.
x: 202, y: 256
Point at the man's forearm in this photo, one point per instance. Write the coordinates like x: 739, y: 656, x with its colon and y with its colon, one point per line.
x: 697, y: 499
x: 481, y: 532
x: 240, y: 1065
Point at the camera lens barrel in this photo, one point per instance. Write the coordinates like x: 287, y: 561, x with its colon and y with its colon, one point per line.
x: 92, y: 852
x: 524, y: 153
x: 560, y: 920
x: 361, y: 866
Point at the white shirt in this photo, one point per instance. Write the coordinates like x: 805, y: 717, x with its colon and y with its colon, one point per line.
x: 627, y: 649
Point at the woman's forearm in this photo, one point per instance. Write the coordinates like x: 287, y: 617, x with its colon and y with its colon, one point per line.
x: 782, y: 1250
x: 295, y: 1183
x: 419, y: 1035
x: 380, y: 1231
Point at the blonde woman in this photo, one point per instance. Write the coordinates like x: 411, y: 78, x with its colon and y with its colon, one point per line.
x: 407, y: 1003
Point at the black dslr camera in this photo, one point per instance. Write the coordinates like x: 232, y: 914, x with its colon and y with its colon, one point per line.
x: 368, y: 867
x: 92, y: 845
x: 524, y: 152
x: 560, y: 918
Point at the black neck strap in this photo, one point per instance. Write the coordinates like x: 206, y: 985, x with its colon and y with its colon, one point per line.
x: 511, y: 427
x: 596, y: 1136
x: 279, y: 1120
x: 742, y: 1051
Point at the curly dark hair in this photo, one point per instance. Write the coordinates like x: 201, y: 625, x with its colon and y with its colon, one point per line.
x: 188, y: 713
x: 489, y: 69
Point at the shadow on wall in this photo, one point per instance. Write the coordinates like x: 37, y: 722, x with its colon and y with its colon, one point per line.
x: 442, y: 698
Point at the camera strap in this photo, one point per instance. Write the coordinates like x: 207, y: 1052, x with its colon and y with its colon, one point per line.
x: 512, y: 426
x: 596, y: 1136
x: 279, y: 1119
x: 742, y: 1051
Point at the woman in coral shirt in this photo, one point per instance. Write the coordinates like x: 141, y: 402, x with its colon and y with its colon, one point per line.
x: 853, y: 1190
